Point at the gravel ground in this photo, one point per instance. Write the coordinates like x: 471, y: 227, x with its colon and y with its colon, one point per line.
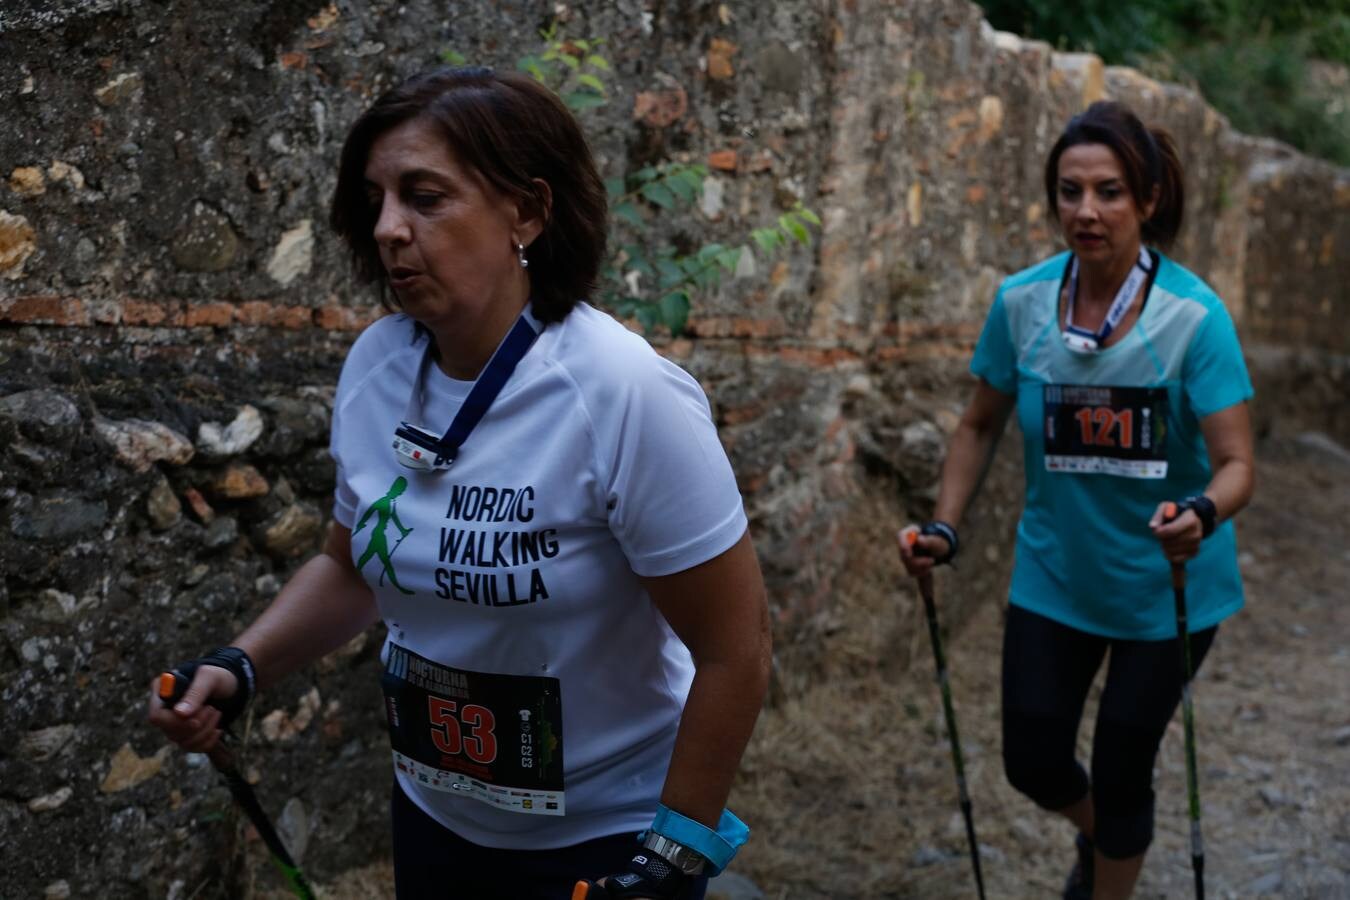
x: 853, y: 786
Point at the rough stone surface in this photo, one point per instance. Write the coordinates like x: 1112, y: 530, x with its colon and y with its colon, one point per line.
x: 220, y: 441
x: 292, y: 531
x: 120, y: 89
x: 127, y: 769
x: 153, y: 281
x: 207, y: 242
x: 27, y: 181
x: 48, y: 802
x: 280, y: 726
x: 220, y: 533
x: 200, y: 508
x: 17, y: 243
x: 57, y: 517
x: 163, y: 506
x: 44, y: 743
x: 293, y: 255
x: 140, y: 444
x: 239, y: 481
x: 52, y: 414
x: 294, y: 827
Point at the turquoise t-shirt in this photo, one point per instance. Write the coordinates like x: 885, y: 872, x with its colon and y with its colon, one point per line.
x: 1108, y: 436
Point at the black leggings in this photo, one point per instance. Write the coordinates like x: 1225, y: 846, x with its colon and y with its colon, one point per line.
x: 1047, y: 670
x: 430, y: 861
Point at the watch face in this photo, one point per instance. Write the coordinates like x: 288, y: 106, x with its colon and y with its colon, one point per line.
x: 681, y: 857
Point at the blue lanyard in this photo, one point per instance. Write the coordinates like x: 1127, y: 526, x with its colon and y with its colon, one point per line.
x: 411, y: 440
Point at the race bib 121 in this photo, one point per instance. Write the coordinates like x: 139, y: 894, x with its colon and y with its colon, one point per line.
x: 1106, y: 430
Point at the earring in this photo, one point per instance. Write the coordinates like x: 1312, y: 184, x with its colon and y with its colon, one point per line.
x: 520, y: 256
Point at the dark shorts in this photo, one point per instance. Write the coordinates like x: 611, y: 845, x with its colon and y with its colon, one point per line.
x: 430, y: 861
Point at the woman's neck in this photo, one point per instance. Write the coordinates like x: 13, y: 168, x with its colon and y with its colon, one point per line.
x: 464, y: 345
x: 1098, y: 282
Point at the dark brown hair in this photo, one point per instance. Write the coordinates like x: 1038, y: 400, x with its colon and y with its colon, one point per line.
x: 1147, y: 155
x: 512, y: 130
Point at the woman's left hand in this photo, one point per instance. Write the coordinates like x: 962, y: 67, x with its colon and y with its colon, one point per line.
x: 1180, y: 538
x: 642, y: 880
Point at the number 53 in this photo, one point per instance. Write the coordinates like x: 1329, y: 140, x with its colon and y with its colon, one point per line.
x: 475, y: 739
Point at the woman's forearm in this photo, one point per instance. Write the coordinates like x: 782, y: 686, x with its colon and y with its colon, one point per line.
x: 1228, y: 436
x: 970, y: 451
x: 1231, y: 488
x: 720, y: 714
x: 324, y: 605
x: 720, y: 610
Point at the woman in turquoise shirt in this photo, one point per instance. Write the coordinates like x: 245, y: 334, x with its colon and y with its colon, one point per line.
x: 1130, y: 390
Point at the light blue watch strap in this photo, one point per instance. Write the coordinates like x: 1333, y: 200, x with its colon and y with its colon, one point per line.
x: 717, y: 847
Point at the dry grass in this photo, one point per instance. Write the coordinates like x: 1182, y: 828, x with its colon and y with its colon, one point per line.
x: 850, y: 788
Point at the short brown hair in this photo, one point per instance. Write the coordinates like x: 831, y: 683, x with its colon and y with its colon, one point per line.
x: 1147, y: 155
x: 512, y: 130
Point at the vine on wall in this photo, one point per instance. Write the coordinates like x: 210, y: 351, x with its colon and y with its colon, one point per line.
x: 647, y: 278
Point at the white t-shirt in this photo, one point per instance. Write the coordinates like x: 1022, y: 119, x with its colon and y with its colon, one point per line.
x: 597, y: 460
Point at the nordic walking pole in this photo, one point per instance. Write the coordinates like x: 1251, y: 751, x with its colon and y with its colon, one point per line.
x: 1170, y: 512
x: 391, y: 556
x: 930, y: 612
x: 172, y: 686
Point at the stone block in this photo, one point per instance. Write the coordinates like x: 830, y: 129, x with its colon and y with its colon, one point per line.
x: 138, y: 444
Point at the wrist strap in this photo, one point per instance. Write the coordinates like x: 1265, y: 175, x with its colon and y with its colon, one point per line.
x: 1204, y: 510
x: 237, y: 663
x: 717, y: 847
x: 946, y: 532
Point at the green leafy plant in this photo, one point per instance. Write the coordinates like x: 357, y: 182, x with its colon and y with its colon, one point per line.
x: 648, y: 279
x: 1248, y: 57
x: 573, y: 68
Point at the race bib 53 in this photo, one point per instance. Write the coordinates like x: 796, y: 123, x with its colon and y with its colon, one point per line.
x: 493, y: 738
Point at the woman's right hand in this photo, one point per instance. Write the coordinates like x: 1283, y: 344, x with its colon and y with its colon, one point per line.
x: 918, y: 551
x: 192, y: 723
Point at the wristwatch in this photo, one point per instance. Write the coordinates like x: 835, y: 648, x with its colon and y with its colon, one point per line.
x: 678, y: 855
x: 1204, y: 510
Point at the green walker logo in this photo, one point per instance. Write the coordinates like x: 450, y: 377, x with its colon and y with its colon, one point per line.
x: 378, y: 546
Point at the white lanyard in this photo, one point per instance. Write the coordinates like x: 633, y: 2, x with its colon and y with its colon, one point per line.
x: 1080, y: 339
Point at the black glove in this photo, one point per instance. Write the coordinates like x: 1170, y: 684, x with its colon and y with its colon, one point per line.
x: 232, y: 660
x: 648, y: 875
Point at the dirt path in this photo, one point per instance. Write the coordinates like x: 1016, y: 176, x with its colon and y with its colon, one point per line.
x: 850, y: 786
x: 875, y: 812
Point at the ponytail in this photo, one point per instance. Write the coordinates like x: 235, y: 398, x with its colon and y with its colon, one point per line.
x: 1162, y: 227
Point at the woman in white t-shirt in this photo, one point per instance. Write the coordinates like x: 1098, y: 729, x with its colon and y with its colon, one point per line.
x: 538, y: 507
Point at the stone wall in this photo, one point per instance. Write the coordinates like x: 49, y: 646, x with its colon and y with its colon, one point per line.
x: 174, y: 310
